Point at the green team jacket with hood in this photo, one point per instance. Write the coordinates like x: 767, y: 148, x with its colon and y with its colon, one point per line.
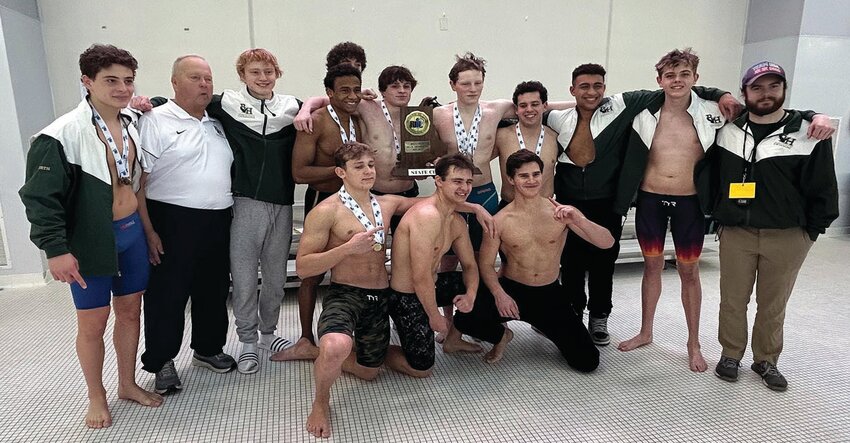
x: 609, y: 127
x: 67, y: 191
x: 707, y: 120
x: 794, y: 177
x: 262, y: 135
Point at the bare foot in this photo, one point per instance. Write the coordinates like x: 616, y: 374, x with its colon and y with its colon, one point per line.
x: 318, y: 423
x: 303, y: 350
x: 455, y: 343
x: 498, y: 350
x: 635, y: 342
x: 140, y: 396
x: 695, y: 360
x: 351, y: 366
x: 98, y: 415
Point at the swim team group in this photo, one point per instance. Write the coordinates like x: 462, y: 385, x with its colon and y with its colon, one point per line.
x: 137, y: 198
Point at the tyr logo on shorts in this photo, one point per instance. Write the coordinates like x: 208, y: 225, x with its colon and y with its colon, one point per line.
x: 668, y: 203
x: 371, y: 297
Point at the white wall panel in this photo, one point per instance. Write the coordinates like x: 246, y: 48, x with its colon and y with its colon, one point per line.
x: 153, y: 31
x: 521, y: 40
x: 644, y: 30
x: 25, y: 107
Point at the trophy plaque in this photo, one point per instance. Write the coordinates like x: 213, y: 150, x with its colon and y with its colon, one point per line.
x: 419, y: 144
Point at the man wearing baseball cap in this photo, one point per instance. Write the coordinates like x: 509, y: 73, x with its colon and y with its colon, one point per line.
x: 777, y: 193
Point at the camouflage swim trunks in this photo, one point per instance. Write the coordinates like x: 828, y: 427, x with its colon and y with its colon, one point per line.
x: 359, y: 313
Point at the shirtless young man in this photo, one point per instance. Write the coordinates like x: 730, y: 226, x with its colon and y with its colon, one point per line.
x: 594, y: 136
x: 82, y: 172
x: 344, y: 234
x: 530, y: 100
x: 425, y: 234
x: 674, y: 137
x: 528, y: 289
x: 469, y: 127
x: 345, y: 53
x: 313, y: 164
x: 382, y: 122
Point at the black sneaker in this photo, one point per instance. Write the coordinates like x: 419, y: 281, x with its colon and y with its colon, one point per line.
x: 598, y: 328
x: 220, y: 362
x: 770, y: 376
x: 727, y: 369
x: 167, y: 379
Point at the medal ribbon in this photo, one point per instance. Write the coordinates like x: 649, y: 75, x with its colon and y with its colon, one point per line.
x: 392, y: 128
x: 120, y: 159
x: 467, y: 141
x: 342, y: 133
x: 351, y: 204
x: 522, y: 142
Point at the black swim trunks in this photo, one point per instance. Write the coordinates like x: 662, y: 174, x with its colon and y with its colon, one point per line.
x: 687, y: 224
x: 414, y: 329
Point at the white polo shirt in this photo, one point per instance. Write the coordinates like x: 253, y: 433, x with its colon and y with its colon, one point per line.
x: 188, y: 159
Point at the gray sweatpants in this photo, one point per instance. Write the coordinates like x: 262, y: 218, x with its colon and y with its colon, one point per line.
x: 261, y: 233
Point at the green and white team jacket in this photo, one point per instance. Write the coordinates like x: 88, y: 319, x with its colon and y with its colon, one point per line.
x: 794, y: 177
x: 67, y: 190
x: 707, y: 120
x: 262, y: 135
x: 610, y: 126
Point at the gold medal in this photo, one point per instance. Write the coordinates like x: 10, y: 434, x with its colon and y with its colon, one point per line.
x: 377, y: 247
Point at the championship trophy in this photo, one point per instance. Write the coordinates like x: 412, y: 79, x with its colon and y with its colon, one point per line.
x: 419, y: 145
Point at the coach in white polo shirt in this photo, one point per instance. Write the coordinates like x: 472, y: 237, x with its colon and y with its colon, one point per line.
x: 186, y: 214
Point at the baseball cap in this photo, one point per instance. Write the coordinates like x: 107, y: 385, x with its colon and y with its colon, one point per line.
x: 761, y: 69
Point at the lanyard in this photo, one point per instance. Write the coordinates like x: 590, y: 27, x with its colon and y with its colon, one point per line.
x: 392, y: 128
x: 351, y: 204
x: 120, y: 158
x: 539, y: 140
x: 342, y: 133
x: 467, y: 141
x: 750, y: 164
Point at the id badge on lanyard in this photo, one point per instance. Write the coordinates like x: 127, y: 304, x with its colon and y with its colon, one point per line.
x: 745, y: 191
x: 742, y: 190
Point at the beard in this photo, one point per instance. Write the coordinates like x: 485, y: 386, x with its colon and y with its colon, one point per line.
x: 765, y: 106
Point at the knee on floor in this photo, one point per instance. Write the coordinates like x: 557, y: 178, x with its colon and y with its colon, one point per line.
x: 586, y: 364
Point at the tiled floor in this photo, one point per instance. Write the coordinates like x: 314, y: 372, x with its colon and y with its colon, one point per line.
x: 645, y: 395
